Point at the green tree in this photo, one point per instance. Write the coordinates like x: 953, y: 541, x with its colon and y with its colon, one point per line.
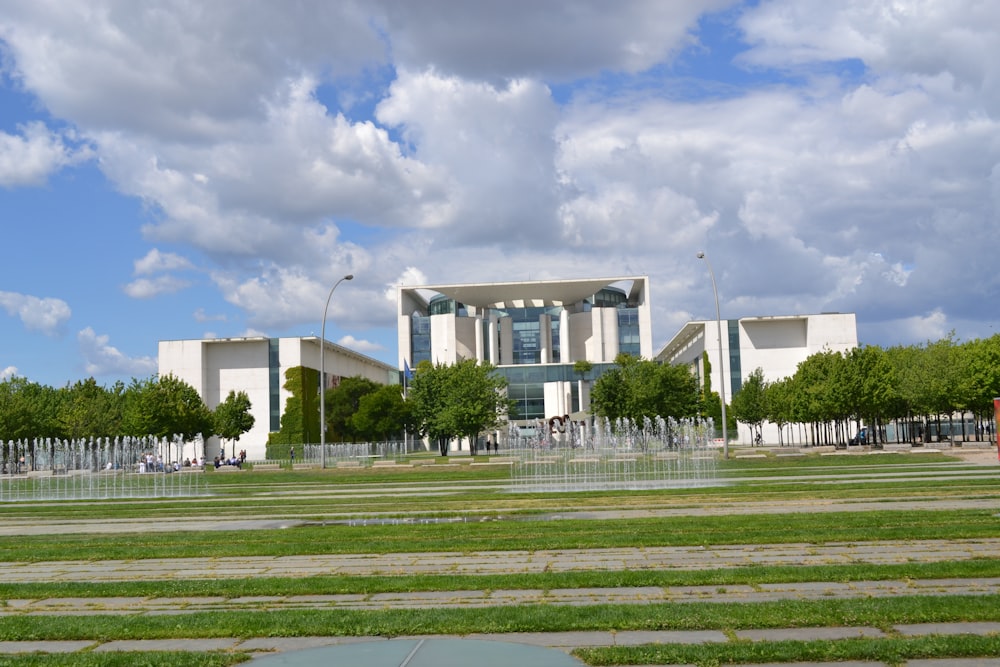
x: 780, y: 405
x: 382, y: 414
x: 639, y: 389
x: 979, y: 381
x: 232, y: 417
x: 89, y: 410
x: 300, y: 419
x: 341, y: 404
x: 749, y: 404
x: 164, y: 407
x: 460, y: 400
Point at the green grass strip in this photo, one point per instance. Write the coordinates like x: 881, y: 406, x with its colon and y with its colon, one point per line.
x: 792, y: 528
x: 892, y: 651
x: 873, y: 612
x: 370, y: 585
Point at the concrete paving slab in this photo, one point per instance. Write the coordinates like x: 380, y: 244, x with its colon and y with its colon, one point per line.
x: 424, y: 652
x: 980, y: 628
x: 282, y: 644
x: 846, y: 663
x: 955, y: 662
x: 198, y: 645
x: 45, y: 646
x: 809, y: 634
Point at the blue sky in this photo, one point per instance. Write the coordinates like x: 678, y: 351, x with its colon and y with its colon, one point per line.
x: 185, y: 170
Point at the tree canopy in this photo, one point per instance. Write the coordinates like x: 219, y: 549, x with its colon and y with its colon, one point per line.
x: 456, y: 401
x: 637, y: 389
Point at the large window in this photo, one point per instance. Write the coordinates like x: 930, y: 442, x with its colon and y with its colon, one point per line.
x: 527, y: 332
x: 735, y: 372
x: 420, y: 338
x: 274, y: 384
x: 628, y: 332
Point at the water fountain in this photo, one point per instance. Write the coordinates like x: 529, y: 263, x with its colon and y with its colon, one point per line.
x: 579, y: 456
x: 98, y: 468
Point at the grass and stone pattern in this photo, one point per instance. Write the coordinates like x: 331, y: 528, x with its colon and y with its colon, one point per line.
x: 811, y: 558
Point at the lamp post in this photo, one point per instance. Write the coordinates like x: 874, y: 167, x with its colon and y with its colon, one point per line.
x: 722, y: 367
x: 322, y: 374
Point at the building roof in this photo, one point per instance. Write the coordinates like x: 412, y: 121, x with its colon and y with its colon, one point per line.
x: 533, y: 293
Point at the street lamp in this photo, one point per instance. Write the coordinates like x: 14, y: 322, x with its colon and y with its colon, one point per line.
x: 722, y: 367
x: 322, y: 374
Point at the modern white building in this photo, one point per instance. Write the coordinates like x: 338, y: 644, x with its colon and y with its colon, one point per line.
x: 775, y: 344
x: 216, y: 366
x: 533, y: 332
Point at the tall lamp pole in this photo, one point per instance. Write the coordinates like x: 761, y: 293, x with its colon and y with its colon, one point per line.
x: 722, y: 367
x: 322, y: 374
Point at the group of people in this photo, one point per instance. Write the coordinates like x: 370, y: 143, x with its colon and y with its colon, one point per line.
x: 149, y: 462
x: 234, y: 460
x: 489, y: 445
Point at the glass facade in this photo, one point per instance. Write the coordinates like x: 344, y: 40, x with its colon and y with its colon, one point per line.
x: 526, y: 386
x: 609, y: 297
x: 628, y: 331
x: 735, y: 372
x: 527, y: 375
x: 420, y: 339
x: 274, y: 384
x: 527, y: 332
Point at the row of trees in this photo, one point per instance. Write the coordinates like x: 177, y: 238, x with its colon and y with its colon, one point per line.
x: 160, y: 406
x: 916, y: 387
x: 830, y: 392
x: 442, y: 403
x: 357, y: 410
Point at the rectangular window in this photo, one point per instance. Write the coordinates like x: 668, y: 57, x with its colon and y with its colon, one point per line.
x: 628, y: 332
x: 735, y: 372
x: 274, y: 384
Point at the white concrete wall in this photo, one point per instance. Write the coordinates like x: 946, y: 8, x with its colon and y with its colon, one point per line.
x: 465, y: 329
x: 239, y: 366
x: 216, y: 367
x: 581, y: 334
x: 443, y: 339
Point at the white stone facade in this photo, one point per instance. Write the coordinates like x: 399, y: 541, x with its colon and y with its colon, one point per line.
x: 216, y: 366
x: 775, y: 344
x: 532, y: 331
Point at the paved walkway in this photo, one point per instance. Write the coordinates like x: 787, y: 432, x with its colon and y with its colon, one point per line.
x: 489, y: 649
x: 509, y: 562
x: 506, y: 562
x: 264, y: 648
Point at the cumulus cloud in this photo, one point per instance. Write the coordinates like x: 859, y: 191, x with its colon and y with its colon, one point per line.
x: 7, y: 373
x: 155, y: 261
x: 100, y: 358
x: 831, y: 166
x: 569, y: 40
x: 201, y: 316
x: 146, y: 288
x: 28, y: 158
x: 360, y: 345
x: 179, y: 72
x: 46, y: 315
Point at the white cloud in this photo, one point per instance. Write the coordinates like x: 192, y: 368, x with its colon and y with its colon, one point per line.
x: 156, y: 261
x: 178, y: 71
x: 46, y: 315
x: 145, y: 288
x: 359, y: 344
x: 201, y: 316
x: 100, y: 358
x: 497, y: 144
x: 853, y: 166
x: 7, y: 373
x: 29, y: 158
x: 563, y: 40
